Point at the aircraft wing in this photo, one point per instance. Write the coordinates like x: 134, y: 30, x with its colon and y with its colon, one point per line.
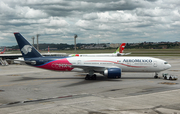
x: 127, y: 53
x: 97, y: 68
x: 54, y: 54
x: 16, y: 56
x: 10, y: 56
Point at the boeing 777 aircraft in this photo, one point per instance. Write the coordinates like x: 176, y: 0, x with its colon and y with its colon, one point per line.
x: 118, y: 52
x: 111, y: 67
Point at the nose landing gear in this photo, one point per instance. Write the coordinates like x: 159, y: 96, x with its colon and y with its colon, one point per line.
x: 166, y: 76
x: 169, y: 77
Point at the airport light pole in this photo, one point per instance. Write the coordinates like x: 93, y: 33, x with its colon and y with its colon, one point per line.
x: 75, y: 36
x: 33, y: 40
x: 37, y: 41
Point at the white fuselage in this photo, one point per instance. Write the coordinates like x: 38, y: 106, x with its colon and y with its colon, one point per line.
x: 100, y: 55
x: 127, y: 64
x: 95, y: 55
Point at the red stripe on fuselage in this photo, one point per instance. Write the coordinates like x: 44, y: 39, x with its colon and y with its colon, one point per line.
x: 59, y: 65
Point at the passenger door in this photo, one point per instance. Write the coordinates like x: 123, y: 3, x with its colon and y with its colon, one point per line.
x: 155, y: 63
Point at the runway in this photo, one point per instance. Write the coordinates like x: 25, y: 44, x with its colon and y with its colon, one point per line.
x: 27, y: 90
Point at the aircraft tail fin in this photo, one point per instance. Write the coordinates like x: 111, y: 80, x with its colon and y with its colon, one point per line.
x: 27, y: 50
x: 122, y: 46
x: 117, y: 51
x: 3, y: 50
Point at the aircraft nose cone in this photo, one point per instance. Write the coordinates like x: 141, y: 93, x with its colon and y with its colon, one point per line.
x: 169, y: 66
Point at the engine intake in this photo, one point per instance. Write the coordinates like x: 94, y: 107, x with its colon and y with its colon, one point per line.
x: 112, y: 73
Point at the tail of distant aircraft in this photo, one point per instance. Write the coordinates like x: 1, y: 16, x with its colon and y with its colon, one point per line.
x: 27, y: 50
x: 3, y: 50
x: 122, y: 46
x: 117, y: 51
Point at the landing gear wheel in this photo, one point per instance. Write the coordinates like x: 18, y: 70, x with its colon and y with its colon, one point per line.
x: 93, y: 77
x: 156, y: 75
x: 87, y: 77
x: 170, y: 78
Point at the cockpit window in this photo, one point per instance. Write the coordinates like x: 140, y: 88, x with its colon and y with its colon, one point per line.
x: 165, y: 62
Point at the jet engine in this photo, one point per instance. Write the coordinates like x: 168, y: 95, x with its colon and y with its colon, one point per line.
x: 112, y: 73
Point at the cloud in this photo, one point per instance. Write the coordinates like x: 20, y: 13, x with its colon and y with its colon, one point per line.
x: 109, y: 21
x: 57, y: 22
x: 91, y: 16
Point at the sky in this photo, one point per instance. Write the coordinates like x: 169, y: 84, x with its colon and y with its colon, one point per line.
x: 94, y: 21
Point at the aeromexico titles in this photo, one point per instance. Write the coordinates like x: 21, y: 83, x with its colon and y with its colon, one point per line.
x: 111, y: 67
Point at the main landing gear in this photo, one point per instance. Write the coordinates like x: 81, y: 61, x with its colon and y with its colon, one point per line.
x: 89, y: 77
x: 156, y: 75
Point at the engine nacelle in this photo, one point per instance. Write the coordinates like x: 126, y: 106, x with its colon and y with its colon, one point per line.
x: 112, y: 73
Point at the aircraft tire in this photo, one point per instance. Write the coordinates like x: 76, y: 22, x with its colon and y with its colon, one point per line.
x: 93, y: 77
x: 155, y: 77
x: 170, y: 78
x: 87, y: 77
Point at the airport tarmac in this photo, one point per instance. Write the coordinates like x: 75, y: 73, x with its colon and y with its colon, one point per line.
x: 28, y: 90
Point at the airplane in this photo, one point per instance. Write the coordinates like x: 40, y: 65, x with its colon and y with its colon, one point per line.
x: 3, y: 50
x: 118, y: 52
x: 110, y: 67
